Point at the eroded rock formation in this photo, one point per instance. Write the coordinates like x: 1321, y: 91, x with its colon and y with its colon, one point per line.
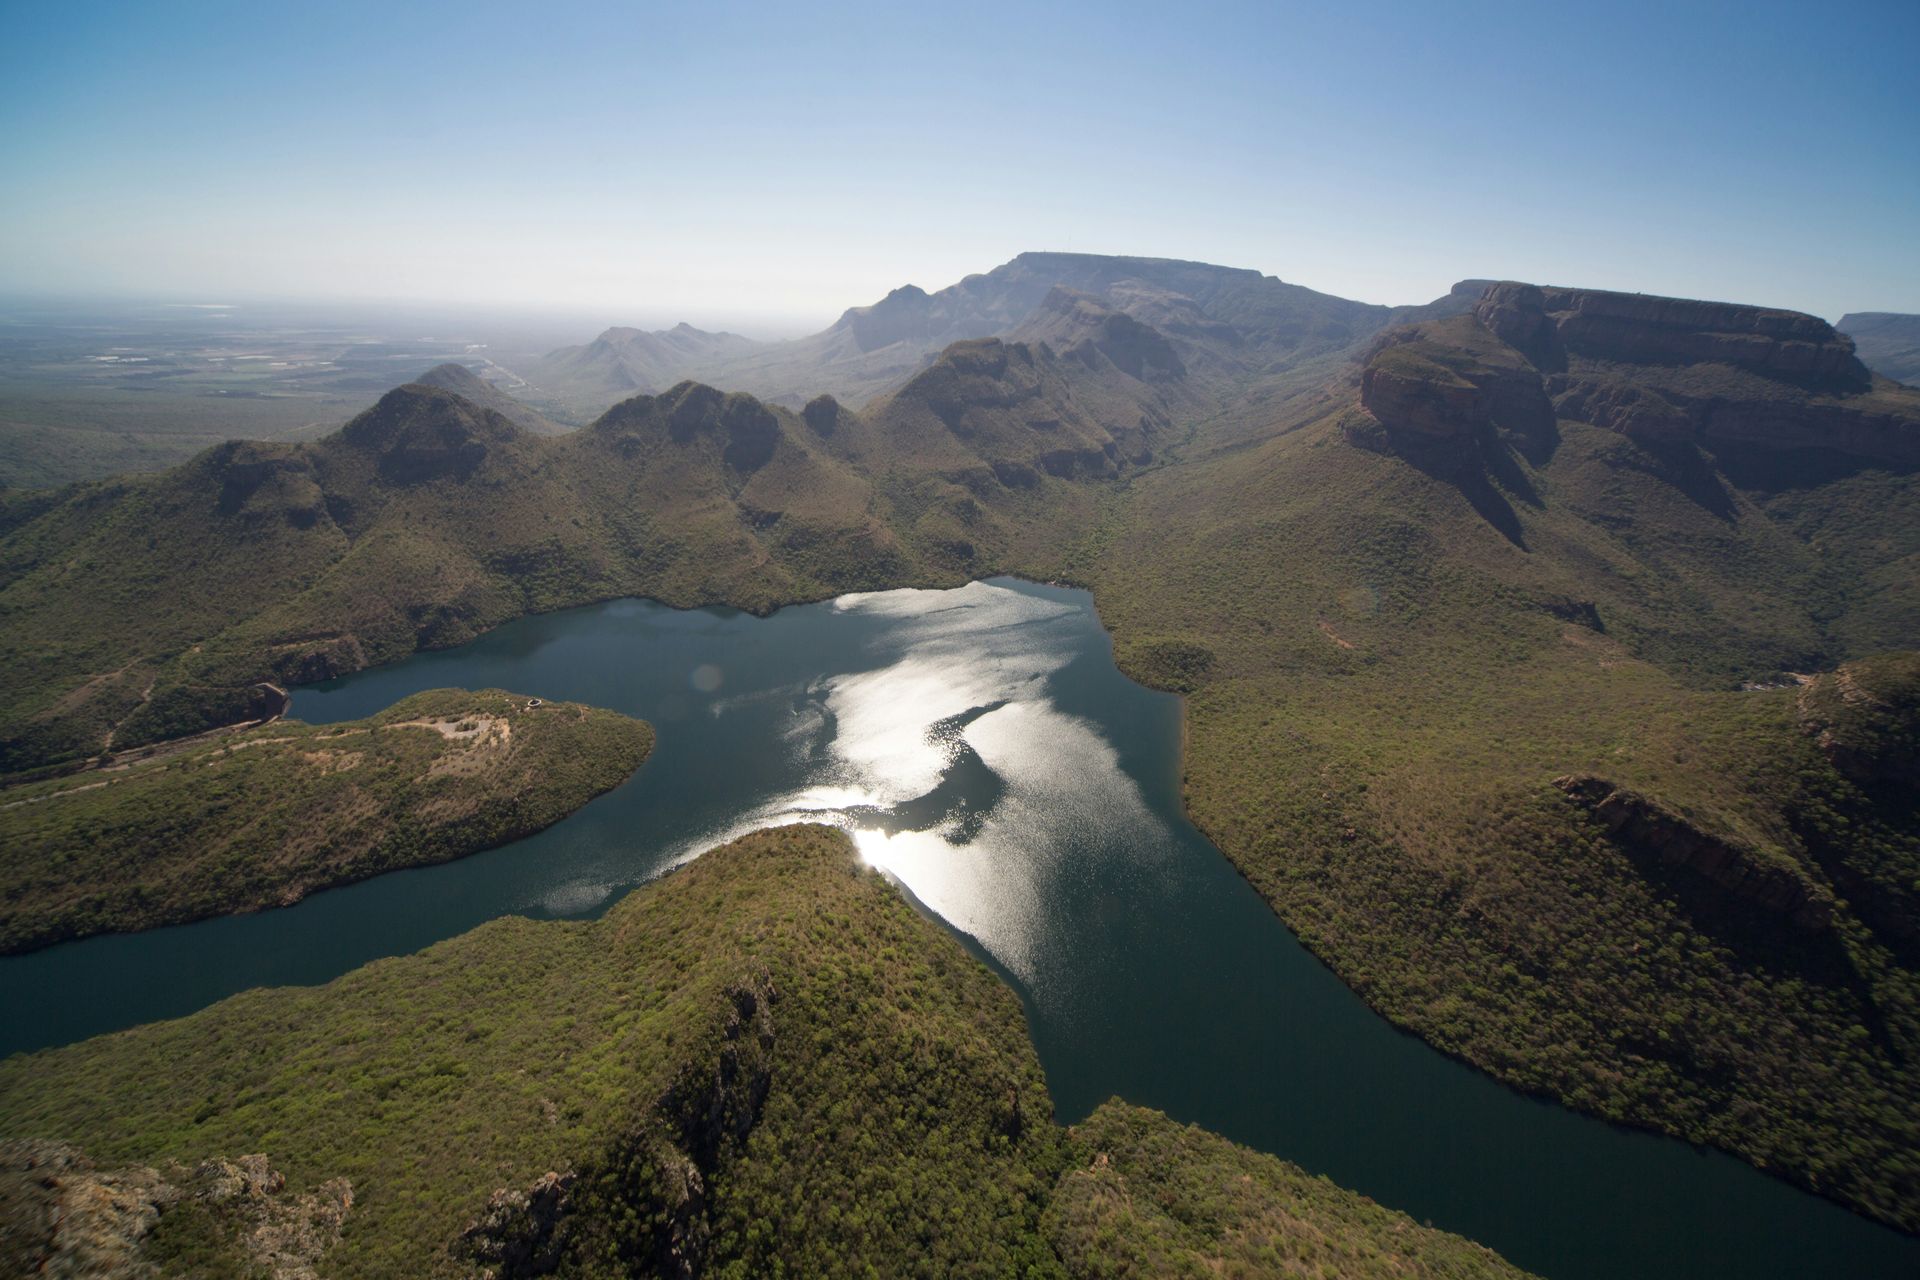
x: 1647, y: 829
x: 1666, y: 372
x: 659, y: 1176
x: 61, y: 1216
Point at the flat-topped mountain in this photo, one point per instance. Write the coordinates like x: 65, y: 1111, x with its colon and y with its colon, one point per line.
x: 1888, y: 342
x: 1241, y: 320
x: 1664, y: 371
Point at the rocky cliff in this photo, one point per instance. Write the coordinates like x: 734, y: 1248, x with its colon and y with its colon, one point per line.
x: 1447, y: 382
x: 63, y: 1216
x: 1641, y: 329
x: 1667, y: 372
x: 1645, y: 828
x: 1865, y: 716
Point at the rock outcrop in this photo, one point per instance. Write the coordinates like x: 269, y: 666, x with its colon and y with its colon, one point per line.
x: 1641, y: 329
x: 659, y: 1175
x: 1666, y: 372
x: 60, y: 1216
x: 1082, y: 327
x: 1447, y: 382
x: 1649, y: 830
x: 1865, y: 716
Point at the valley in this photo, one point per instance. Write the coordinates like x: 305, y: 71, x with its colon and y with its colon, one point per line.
x: 1508, y: 628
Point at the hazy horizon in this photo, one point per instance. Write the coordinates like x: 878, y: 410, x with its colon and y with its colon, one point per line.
x: 730, y: 167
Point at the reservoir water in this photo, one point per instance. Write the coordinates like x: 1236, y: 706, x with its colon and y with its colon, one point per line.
x: 984, y: 751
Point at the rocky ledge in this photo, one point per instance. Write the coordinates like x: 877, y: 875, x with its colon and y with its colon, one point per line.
x: 1549, y: 324
x: 62, y: 1216
x: 1649, y: 830
x: 1666, y: 372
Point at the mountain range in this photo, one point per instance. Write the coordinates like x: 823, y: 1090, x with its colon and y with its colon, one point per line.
x: 1226, y: 322
x: 1542, y: 646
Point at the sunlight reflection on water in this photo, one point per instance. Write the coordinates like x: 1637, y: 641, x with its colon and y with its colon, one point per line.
x: 955, y: 773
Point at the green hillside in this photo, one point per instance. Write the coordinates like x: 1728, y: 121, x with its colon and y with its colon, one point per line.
x: 764, y: 1064
x: 1490, y: 636
x: 262, y: 817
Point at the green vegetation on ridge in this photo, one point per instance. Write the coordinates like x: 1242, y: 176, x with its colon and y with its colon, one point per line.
x: 262, y: 817
x: 765, y: 1064
x: 1546, y: 541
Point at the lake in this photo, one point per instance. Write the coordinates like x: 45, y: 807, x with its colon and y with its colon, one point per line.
x: 985, y: 752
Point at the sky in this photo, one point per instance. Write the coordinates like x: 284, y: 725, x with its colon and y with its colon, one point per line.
x: 766, y: 166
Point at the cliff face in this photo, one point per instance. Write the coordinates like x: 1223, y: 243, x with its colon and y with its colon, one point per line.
x: 1444, y: 384
x: 1865, y: 716
x: 1647, y: 829
x: 1638, y: 329
x: 61, y: 1215
x: 661, y: 1174
x: 1664, y: 371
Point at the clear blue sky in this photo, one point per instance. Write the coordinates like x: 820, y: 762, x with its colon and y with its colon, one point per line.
x: 716, y: 161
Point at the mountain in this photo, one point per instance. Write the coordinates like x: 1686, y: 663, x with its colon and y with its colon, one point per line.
x: 1487, y: 671
x: 766, y: 1063
x: 1889, y: 343
x: 623, y: 361
x: 425, y: 520
x: 1232, y: 320
x: 474, y: 389
x: 1490, y: 625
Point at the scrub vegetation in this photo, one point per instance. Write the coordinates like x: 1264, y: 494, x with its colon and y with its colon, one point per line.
x: 262, y: 817
x: 765, y: 1064
x: 1492, y: 636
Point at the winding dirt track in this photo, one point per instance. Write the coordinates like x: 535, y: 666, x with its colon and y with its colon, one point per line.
x: 114, y: 761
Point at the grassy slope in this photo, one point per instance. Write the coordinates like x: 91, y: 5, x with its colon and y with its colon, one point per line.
x: 1382, y: 697
x: 854, y: 1093
x: 1151, y: 1198
x: 263, y: 817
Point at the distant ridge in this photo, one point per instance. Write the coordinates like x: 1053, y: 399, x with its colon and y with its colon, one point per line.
x: 1228, y: 320
x: 1888, y: 343
x: 469, y: 385
x: 625, y: 361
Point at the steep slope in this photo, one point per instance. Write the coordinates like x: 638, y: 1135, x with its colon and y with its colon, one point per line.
x: 1888, y: 342
x: 261, y: 818
x: 1465, y: 696
x: 1020, y: 410
x: 1149, y: 1197
x: 474, y: 389
x: 764, y: 1064
x: 424, y: 521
